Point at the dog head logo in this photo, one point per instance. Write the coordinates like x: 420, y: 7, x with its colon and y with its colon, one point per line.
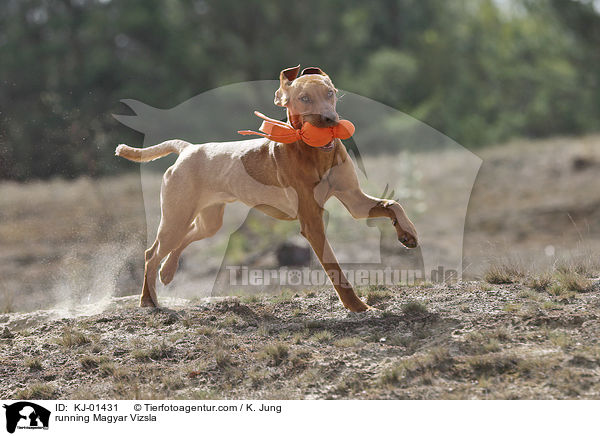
x: 26, y: 415
x: 404, y: 172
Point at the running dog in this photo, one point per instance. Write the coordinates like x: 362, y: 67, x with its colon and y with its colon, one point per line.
x: 287, y: 181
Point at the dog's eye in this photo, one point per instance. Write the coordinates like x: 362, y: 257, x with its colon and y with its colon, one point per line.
x: 305, y: 99
x: 330, y: 93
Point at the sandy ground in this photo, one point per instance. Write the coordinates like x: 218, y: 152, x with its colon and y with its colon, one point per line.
x: 469, y: 340
x: 71, y: 260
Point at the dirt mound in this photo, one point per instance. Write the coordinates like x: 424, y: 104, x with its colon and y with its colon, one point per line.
x: 469, y: 340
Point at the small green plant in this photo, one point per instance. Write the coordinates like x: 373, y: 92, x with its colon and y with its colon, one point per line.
x: 298, y: 312
x: 201, y: 394
x: 414, y: 308
x: 393, y: 375
x: 376, y: 297
x: 349, y: 385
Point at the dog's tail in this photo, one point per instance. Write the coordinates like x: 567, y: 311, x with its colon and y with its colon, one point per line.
x: 151, y: 153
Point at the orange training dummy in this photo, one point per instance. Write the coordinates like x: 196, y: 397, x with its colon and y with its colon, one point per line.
x: 279, y: 131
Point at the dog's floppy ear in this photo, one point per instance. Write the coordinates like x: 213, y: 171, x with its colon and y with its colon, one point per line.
x: 313, y: 70
x: 286, y: 77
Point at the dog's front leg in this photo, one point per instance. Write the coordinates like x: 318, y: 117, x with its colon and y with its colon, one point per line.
x: 311, y: 223
x: 361, y: 205
x: 345, y: 187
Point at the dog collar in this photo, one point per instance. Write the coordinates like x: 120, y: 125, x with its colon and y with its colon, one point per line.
x: 311, y: 135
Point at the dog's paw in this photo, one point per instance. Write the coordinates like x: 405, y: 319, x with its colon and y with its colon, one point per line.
x: 168, y: 270
x: 408, y: 240
x: 119, y: 149
x: 147, y: 302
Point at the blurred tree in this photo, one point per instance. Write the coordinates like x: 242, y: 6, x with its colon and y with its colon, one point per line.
x: 480, y: 71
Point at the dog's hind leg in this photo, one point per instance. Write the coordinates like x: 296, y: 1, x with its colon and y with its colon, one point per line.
x: 148, y: 297
x: 207, y: 223
x: 177, y: 215
x: 168, y: 238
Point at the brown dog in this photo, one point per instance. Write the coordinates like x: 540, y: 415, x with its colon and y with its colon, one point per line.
x: 285, y: 181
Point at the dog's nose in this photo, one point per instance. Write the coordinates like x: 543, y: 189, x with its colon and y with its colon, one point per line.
x: 329, y: 119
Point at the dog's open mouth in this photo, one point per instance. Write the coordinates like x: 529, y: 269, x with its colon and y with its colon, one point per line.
x: 329, y: 146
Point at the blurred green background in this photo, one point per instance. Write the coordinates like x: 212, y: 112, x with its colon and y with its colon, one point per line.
x: 479, y: 71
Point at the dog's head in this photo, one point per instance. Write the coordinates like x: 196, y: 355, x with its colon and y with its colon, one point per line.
x: 309, y: 96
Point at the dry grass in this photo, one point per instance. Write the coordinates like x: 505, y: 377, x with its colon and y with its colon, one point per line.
x: 33, y: 363
x: 37, y: 391
x: 7, y: 304
x: 490, y: 365
x: 480, y: 343
x: 414, y: 308
x: 375, y: 294
x: 541, y: 282
x: 572, y: 281
x: 423, y: 367
x: 275, y: 354
x: 224, y: 359
x: 502, y: 273
x: 73, y: 338
x: 92, y: 362
x: 534, y: 351
x: 322, y: 337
